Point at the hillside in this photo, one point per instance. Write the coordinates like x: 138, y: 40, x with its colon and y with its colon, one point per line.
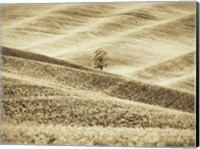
x: 37, y: 57
x: 68, y: 106
x: 144, y: 97
x: 126, y: 31
x: 35, y: 94
x: 112, y: 85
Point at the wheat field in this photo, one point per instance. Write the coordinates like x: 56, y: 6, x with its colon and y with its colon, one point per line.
x: 144, y: 97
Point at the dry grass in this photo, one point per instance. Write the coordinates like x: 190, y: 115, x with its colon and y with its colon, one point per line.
x: 109, y: 136
x: 84, y: 108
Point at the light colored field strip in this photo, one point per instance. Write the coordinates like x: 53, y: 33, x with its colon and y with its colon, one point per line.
x: 174, y: 80
x: 94, y: 24
x: 102, y: 40
x: 151, y: 65
x: 30, y: 19
x: 28, y: 133
x: 60, y: 6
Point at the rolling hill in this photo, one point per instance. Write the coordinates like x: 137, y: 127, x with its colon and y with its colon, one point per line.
x: 34, y: 94
x: 145, y: 96
x: 104, y: 82
x: 73, y: 32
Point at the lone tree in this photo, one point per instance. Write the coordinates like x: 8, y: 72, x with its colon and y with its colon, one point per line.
x: 99, y: 59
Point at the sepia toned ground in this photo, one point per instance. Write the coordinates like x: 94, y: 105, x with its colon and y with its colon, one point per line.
x: 145, y: 96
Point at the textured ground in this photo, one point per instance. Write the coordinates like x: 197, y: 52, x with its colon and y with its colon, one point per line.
x: 144, y: 97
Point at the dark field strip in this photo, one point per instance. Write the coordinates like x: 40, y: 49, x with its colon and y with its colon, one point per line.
x: 38, y: 57
x: 6, y: 51
x: 78, y: 110
x: 155, y: 95
x: 29, y: 91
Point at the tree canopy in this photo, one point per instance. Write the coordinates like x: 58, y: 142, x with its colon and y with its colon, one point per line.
x: 99, y: 59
